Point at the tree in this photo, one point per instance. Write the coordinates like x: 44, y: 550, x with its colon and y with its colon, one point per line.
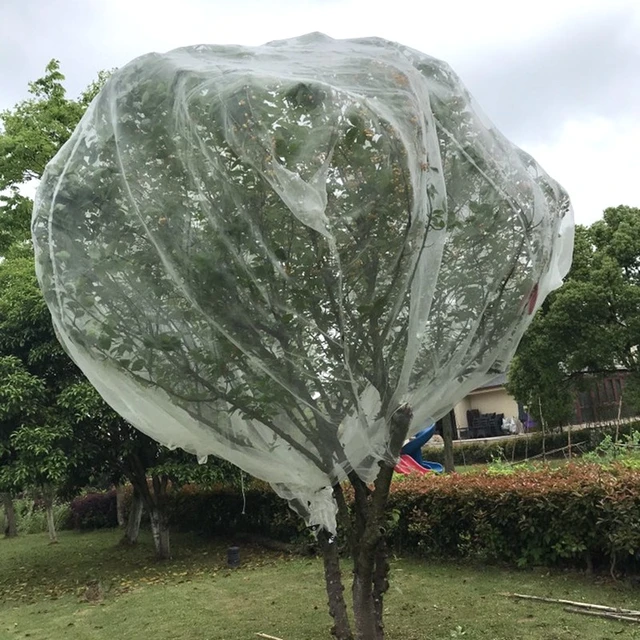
x: 30, y: 135
x: 46, y: 455
x: 21, y: 397
x: 279, y: 271
x: 15, y: 216
x: 114, y: 448
x: 36, y: 450
x: 39, y: 448
x: 589, y: 327
x: 27, y: 344
x: 42, y: 463
x: 102, y: 443
x: 34, y: 131
x: 447, y: 437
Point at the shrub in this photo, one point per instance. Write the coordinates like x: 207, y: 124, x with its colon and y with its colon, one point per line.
x: 223, y: 510
x: 521, y: 448
x: 95, y: 510
x: 578, y: 515
x: 31, y: 518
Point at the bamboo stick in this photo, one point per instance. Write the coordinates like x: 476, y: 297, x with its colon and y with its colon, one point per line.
x: 581, y: 605
x: 267, y: 637
x: 539, y: 455
x: 603, y: 614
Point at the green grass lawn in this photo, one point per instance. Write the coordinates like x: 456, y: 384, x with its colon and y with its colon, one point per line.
x: 534, y: 464
x: 44, y: 590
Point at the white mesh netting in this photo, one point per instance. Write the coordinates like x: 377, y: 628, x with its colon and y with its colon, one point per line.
x: 259, y: 253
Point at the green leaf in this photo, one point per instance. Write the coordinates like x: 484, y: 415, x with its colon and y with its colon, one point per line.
x: 104, y: 342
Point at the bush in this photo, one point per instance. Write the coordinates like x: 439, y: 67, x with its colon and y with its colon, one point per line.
x: 217, y: 510
x: 31, y: 517
x: 95, y: 510
x: 521, y: 448
x: 580, y: 515
x: 223, y: 510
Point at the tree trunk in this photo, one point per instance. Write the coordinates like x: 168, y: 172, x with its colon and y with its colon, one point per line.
x: 380, y: 581
x: 370, y: 583
x: 335, y: 590
x: 447, y: 437
x: 11, y: 530
x: 122, y: 521
x: 371, y: 566
x: 48, y: 495
x: 132, y: 529
x: 154, y: 498
x: 364, y: 611
x: 160, y: 531
x: 365, y: 533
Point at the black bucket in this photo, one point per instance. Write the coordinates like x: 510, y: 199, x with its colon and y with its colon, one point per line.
x: 233, y: 557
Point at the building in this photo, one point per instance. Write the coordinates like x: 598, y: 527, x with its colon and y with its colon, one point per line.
x: 600, y: 400
x: 491, y: 397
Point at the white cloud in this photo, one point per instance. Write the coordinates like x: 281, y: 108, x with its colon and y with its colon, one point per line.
x: 452, y: 29
x: 597, y: 162
x: 526, y: 62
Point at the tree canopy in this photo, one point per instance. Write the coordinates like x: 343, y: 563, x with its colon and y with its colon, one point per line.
x: 56, y: 432
x: 588, y: 328
x: 262, y: 267
x: 284, y: 255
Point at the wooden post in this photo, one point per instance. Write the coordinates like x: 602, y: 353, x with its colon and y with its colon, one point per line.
x: 447, y: 437
x: 544, y: 432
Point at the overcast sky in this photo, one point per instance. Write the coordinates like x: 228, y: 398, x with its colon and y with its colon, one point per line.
x: 561, y: 78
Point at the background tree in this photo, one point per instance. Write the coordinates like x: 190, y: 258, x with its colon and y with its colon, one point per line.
x: 590, y: 327
x: 35, y: 129
x: 42, y: 462
x: 30, y: 136
x: 21, y: 404
x: 114, y: 449
x: 447, y: 438
x: 101, y: 443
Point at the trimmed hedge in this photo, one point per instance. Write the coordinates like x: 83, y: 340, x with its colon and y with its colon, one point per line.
x: 579, y: 515
x: 223, y: 510
x: 521, y: 448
